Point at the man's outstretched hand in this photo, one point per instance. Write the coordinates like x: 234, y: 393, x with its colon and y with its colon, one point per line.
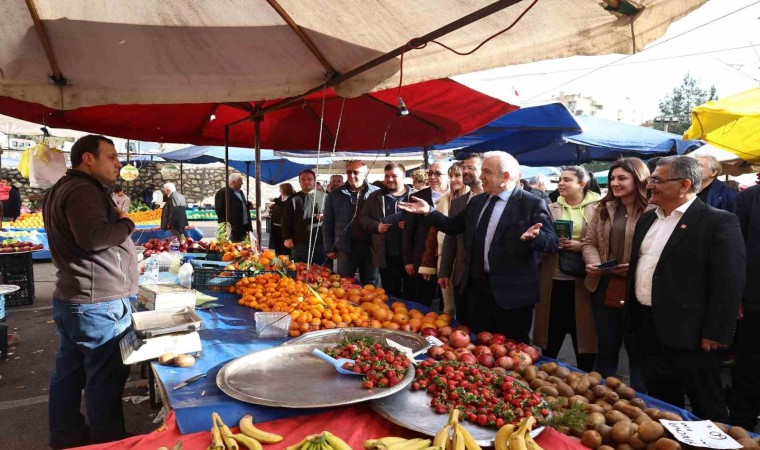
x: 532, y: 232
x: 415, y: 206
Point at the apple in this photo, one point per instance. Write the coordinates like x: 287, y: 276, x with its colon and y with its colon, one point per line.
x: 483, y: 338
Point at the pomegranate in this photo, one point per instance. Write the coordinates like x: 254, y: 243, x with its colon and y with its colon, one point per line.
x: 471, y: 347
x: 435, y: 351
x: 480, y: 349
x: 532, y: 352
x: 498, y: 350
x: 461, y: 351
x: 445, y: 331
x: 429, y: 332
x: 459, y: 339
x: 521, y: 358
x: 449, y: 356
x: 483, y: 338
x: 463, y: 327
x: 498, y: 338
x: 486, y: 359
x: 406, y: 327
x: 468, y: 358
x: 505, y: 362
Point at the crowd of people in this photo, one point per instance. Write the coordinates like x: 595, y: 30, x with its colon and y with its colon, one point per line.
x: 650, y: 266
x: 656, y: 264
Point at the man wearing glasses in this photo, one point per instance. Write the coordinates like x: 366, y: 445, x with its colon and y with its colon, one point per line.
x: 344, y: 237
x: 416, y: 232
x: 685, y: 283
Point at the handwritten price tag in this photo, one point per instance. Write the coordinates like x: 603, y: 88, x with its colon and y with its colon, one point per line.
x: 702, y: 433
x: 434, y: 340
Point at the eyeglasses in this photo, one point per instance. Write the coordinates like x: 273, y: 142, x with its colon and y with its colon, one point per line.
x: 655, y: 180
x: 437, y: 174
x: 470, y: 168
x: 354, y: 172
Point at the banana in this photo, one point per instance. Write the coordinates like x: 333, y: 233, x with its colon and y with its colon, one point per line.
x: 298, y: 445
x: 369, y: 444
x: 411, y: 444
x: 249, y: 442
x: 457, y: 440
x: 247, y: 428
x: 530, y: 443
x: 517, y: 440
x: 453, y: 417
x: 502, y: 436
x: 469, y: 441
x: 227, y: 437
x: 216, y: 435
x: 390, y: 440
x: 335, y: 442
x: 442, y: 436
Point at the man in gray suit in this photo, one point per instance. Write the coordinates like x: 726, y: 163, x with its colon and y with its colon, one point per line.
x: 453, y: 271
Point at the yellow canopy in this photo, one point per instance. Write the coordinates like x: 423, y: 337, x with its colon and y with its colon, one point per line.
x: 732, y: 123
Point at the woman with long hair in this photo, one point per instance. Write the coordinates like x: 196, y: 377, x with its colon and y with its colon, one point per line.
x: 431, y: 258
x: 565, y: 304
x: 610, y: 237
x: 275, y: 237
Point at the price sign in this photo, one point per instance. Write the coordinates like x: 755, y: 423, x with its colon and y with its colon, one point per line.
x: 700, y: 433
x: 433, y: 340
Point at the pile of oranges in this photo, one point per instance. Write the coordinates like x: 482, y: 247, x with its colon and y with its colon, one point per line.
x: 152, y: 217
x: 27, y: 220
x: 326, y: 308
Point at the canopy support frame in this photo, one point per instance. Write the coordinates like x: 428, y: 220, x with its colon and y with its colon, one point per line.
x: 57, y: 76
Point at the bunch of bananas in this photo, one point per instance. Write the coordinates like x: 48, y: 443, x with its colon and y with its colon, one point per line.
x: 322, y: 441
x: 250, y: 436
x: 399, y: 443
x: 454, y: 436
x: 516, y: 437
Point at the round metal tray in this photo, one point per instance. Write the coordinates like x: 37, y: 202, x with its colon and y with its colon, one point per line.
x: 291, y: 377
x: 411, y: 409
x: 415, y: 341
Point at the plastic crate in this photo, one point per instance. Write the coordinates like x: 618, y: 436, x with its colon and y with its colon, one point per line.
x: 18, y: 269
x: 211, y: 276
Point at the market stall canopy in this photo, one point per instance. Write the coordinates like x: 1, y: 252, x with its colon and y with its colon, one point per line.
x: 731, y: 123
x: 157, y: 52
x: 274, y: 169
x: 438, y: 111
x: 552, y: 136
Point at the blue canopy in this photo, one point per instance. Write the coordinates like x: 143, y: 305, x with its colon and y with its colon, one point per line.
x: 549, y: 135
x: 274, y: 169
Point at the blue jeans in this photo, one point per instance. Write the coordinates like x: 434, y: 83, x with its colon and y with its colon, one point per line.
x: 610, y: 337
x: 89, y: 359
x: 359, y: 258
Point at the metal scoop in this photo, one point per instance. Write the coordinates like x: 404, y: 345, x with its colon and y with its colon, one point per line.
x: 337, y: 363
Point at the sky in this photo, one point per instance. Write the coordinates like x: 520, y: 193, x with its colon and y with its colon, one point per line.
x: 725, y: 52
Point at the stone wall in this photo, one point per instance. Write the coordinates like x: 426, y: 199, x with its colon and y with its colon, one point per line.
x: 199, y: 183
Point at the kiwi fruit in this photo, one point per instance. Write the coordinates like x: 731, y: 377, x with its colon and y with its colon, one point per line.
x: 613, y: 416
x: 605, y: 406
x: 582, y: 385
x: 591, y: 439
x: 548, y: 390
x: 622, y: 432
x: 650, y: 431
x: 611, y: 397
x: 605, y: 431
x: 670, y: 416
x: 599, y: 391
x: 626, y: 392
x: 593, y: 408
x: 654, y: 413
x: 184, y: 361
x: 738, y: 433
x: 537, y: 383
x: 564, y: 390
x: 638, y: 402
x: 612, y: 382
x: 748, y: 443
x: 590, y: 395
x: 625, y: 446
x: 637, y: 443
x: 562, y: 372
x: 605, y: 447
x: 667, y: 444
x: 549, y: 368
x: 641, y: 419
x: 542, y: 375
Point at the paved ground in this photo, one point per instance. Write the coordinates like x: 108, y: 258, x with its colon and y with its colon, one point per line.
x: 25, y: 375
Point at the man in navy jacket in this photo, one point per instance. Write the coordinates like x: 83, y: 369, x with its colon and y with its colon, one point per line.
x: 505, y: 230
x: 345, y: 238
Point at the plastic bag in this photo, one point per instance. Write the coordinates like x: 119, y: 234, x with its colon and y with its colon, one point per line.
x: 186, y: 275
x: 46, y: 166
x: 23, y: 163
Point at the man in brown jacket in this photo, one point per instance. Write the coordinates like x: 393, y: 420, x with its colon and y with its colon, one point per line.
x: 97, y: 273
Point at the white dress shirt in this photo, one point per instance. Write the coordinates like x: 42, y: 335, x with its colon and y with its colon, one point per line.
x: 651, y: 249
x: 498, y: 209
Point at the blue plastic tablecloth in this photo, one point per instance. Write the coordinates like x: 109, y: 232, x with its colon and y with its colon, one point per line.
x: 141, y: 235
x: 228, y: 332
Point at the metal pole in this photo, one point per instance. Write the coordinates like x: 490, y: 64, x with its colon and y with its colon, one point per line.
x: 180, y: 178
x: 247, y: 174
x: 257, y: 170
x: 425, y: 164
x: 226, y: 171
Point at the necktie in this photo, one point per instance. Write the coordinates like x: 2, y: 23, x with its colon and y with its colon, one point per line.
x: 477, y: 268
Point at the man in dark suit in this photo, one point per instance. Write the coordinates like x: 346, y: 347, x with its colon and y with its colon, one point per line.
x: 505, y: 229
x: 302, y: 221
x: 454, y: 272
x: 685, y: 283
x: 232, y: 207
x: 744, y: 393
x: 416, y: 233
